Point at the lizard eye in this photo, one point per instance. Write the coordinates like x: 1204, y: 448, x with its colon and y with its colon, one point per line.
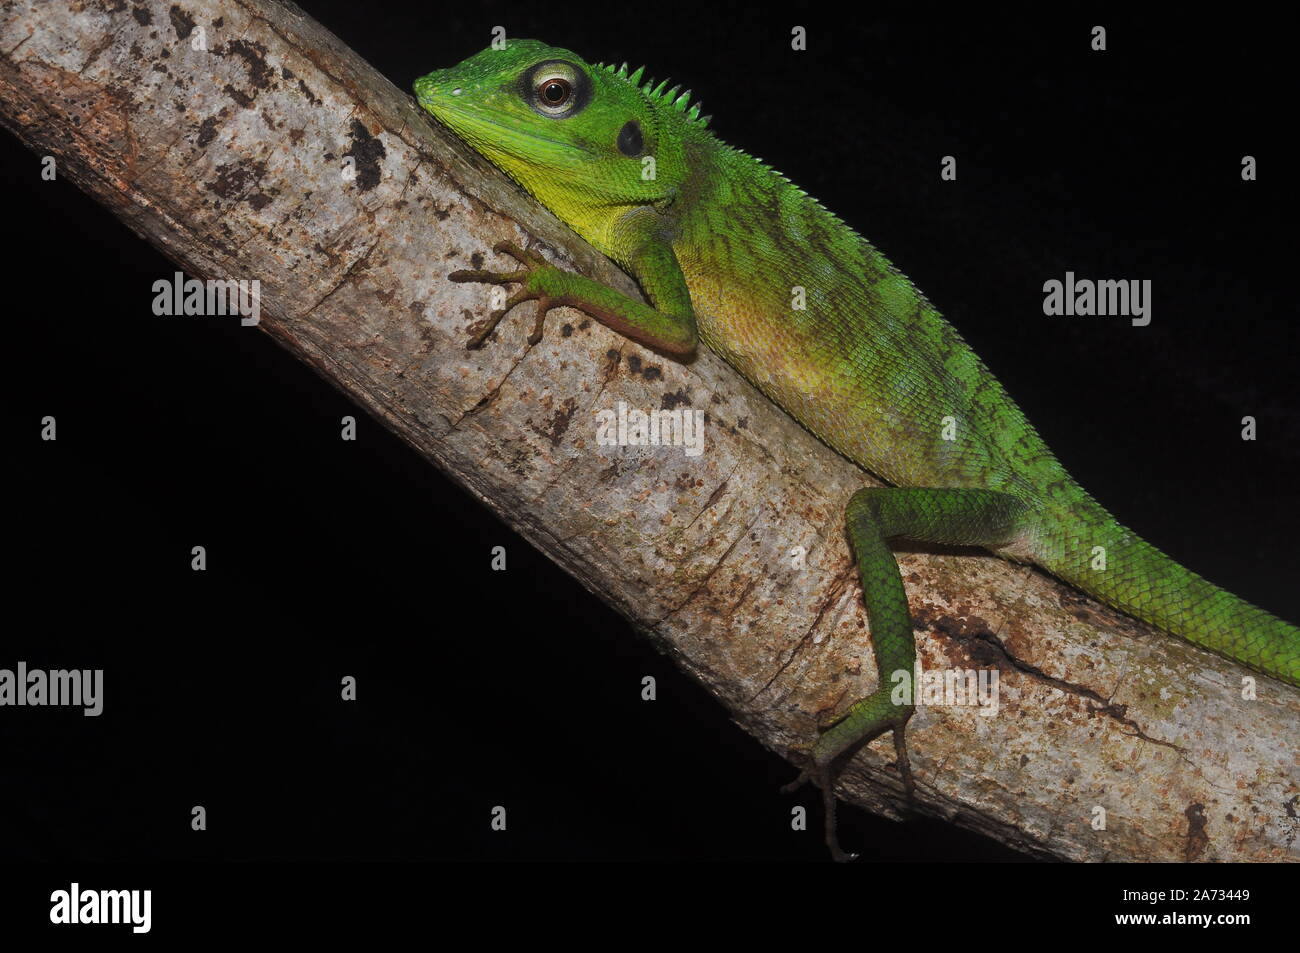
x: 557, y: 89
x: 554, y: 92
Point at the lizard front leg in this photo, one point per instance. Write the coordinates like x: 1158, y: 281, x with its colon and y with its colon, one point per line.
x: 966, y: 517
x: 666, y: 325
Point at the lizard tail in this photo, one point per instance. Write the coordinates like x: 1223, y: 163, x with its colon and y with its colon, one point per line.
x: 1088, y: 548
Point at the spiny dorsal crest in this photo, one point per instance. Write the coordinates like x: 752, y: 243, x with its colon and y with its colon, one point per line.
x: 660, y: 94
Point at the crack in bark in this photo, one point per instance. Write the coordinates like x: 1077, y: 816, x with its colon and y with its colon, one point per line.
x: 713, y: 497
x: 342, y: 281
x: 744, y: 594
x: 9, y: 53
x: 419, y: 163
x: 707, y: 576
x: 94, y: 54
x: 546, y: 487
x: 835, y: 594
x: 1103, y: 706
x: 490, y: 397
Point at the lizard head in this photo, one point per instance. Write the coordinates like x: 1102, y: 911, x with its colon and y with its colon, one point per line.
x: 587, y: 141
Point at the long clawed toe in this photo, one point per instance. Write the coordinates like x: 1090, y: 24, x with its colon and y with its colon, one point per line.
x: 825, y: 776
x: 905, y: 768
x: 543, y: 306
x: 804, y: 777
x: 521, y: 255
x: 480, y: 331
x: 489, y: 277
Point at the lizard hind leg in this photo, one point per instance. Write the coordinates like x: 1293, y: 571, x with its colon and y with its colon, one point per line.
x: 968, y: 517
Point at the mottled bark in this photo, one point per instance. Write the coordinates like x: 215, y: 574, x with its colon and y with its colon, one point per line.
x: 229, y: 159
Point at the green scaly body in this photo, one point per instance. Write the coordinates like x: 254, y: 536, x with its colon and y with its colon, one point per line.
x: 873, y: 369
x: 720, y: 243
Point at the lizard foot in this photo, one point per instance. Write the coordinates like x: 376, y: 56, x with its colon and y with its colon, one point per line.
x: 831, y: 749
x: 533, y: 264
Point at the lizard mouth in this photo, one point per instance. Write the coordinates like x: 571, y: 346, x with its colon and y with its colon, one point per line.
x: 451, y: 105
x: 504, y: 144
x: 467, y: 122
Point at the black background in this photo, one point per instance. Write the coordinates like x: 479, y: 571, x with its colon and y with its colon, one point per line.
x: 329, y: 558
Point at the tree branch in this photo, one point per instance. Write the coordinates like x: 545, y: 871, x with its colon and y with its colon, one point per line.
x: 229, y: 159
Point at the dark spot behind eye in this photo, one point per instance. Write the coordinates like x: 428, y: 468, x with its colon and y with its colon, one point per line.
x: 630, y: 141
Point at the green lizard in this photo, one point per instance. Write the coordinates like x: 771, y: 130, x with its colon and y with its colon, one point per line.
x: 719, y: 242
